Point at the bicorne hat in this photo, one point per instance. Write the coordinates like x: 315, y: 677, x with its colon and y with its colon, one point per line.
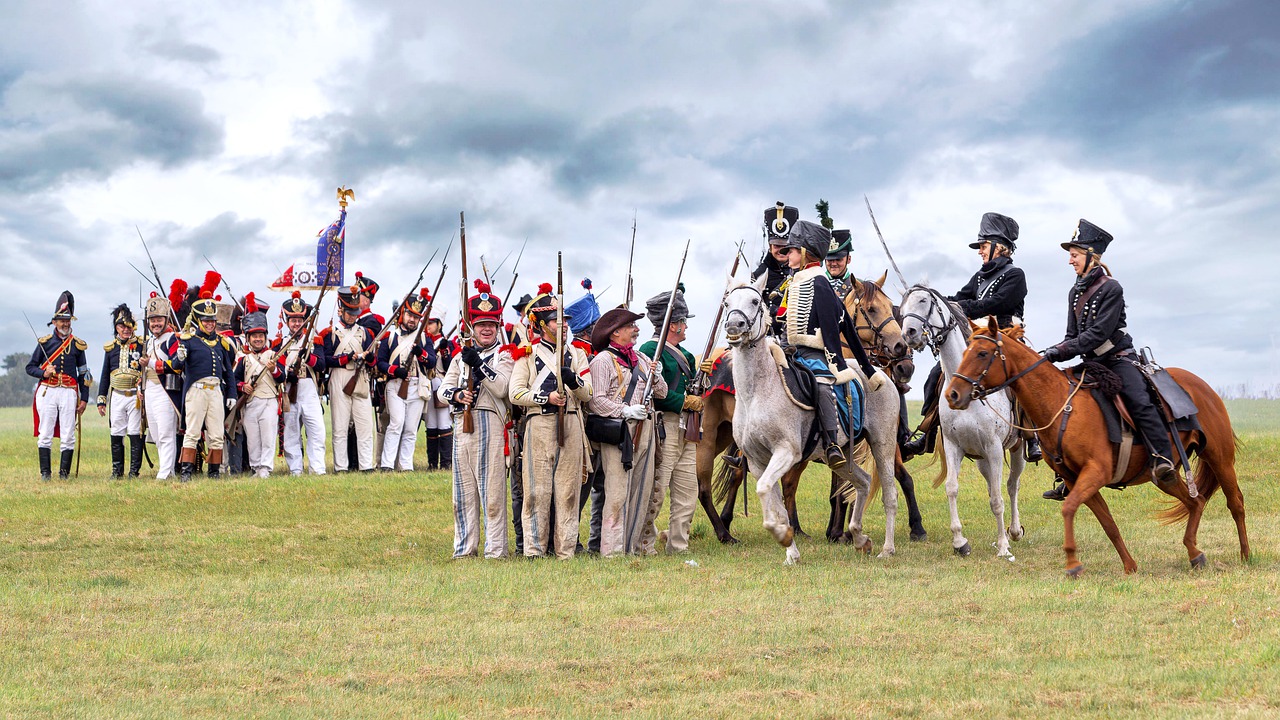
x: 66, y: 307
x: 122, y: 315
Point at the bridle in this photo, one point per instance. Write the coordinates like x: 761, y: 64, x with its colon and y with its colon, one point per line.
x: 935, y: 336
x: 751, y: 321
x: 877, y: 353
x: 979, y: 391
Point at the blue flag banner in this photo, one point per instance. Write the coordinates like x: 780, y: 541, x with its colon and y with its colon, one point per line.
x: 330, y: 246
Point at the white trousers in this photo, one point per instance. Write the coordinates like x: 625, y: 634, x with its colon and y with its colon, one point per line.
x: 343, y: 410
x: 434, y: 417
x: 125, y: 415
x: 207, y: 411
x: 162, y: 426
x: 306, y: 412
x: 261, y: 416
x: 480, y: 481
x: 401, y: 437
x: 57, y: 406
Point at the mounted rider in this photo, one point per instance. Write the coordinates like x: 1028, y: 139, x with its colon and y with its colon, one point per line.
x: 999, y: 288
x: 814, y: 320
x: 1097, y: 332
x: 839, y: 274
x: 778, y: 221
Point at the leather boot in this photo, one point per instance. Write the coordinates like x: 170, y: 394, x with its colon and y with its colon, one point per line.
x: 46, y: 473
x: 1032, y: 449
x: 215, y: 460
x: 830, y: 422
x: 433, y: 452
x: 734, y: 458
x: 135, y: 455
x: 924, y: 440
x: 117, y: 457
x: 64, y: 471
x: 186, y: 464
x: 446, y: 452
x: 1162, y: 470
x: 1057, y: 492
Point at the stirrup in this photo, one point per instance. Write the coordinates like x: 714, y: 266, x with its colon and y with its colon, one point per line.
x: 835, y: 457
x: 1057, y: 492
x: 733, y: 461
x: 1163, y: 471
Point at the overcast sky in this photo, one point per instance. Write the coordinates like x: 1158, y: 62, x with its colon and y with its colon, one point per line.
x: 223, y: 128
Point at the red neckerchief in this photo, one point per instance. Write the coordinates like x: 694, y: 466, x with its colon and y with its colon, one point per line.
x: 627, y: 353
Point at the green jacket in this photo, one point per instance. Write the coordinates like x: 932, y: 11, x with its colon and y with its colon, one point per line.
x: 676, y: 381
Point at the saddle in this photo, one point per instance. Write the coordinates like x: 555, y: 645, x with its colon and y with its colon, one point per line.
x: 801, y: 385
x: 1105, y: 386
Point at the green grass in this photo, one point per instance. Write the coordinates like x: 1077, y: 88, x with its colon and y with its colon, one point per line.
x: 335, y: 597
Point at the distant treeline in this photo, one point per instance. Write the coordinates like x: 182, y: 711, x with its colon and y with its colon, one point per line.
x: 17, y: 388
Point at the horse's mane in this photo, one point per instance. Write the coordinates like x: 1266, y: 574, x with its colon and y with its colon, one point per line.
x: 954, y: 307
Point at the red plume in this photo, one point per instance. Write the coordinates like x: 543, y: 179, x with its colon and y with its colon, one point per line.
x: 359, y: 274
x: 177, y: 293
x: 544, y: 289
x: 483, y: 286
x: 211, y: 280
x: 297, y: 293
x: 250, y: 304
x: 206, y: 295
x: 424, y: 294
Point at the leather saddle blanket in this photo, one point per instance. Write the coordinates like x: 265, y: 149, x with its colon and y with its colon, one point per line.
x: 721, y: 377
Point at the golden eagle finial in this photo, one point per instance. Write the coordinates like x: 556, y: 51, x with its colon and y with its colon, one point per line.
x: 345, y: 195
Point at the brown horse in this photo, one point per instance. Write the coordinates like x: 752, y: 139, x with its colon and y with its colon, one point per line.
x: 1073, y: 434
x: 873, y: 315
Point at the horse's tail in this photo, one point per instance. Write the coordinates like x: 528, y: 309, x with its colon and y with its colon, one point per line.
x: 1207, y: 483
x: 940, y: 456
x: 723, y: 479
x: 867, y: 461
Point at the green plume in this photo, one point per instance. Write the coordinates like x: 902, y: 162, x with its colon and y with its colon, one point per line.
x: 822, y: 207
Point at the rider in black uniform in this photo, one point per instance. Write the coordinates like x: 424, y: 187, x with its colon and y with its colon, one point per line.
x: 1096, y: 332
x: 998, y: 288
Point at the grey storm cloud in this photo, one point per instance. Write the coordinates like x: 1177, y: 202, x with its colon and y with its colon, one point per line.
x: 54, y: 129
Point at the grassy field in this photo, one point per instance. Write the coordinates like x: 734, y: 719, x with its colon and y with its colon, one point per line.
x: 336, y: 597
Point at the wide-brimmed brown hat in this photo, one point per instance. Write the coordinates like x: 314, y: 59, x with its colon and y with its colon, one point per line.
x: 610, y: 321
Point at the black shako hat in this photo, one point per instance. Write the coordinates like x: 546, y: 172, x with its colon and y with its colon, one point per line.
x: 841, y: 244
x: 1089, y: 237
x: 778, y: 221
x: 997, y: 228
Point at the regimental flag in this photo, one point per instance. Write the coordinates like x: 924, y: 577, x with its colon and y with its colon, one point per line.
x: 331, y: 244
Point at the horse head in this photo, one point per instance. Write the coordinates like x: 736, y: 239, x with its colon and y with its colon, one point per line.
x: 877, y: 323
x: 979, y: 373
x: 746, y: 312
x: 927, y: 318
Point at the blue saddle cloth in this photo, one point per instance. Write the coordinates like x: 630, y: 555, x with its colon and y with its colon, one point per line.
x: 850, y: 398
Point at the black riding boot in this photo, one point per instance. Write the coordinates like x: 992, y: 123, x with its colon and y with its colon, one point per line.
x: 734, y: 457
x: 1033, y: 452
x: 215, y: 461
x: 135, y: 455
x: 1057, y: 492
x: 64, y: 471
x: 830, y: 423
x: 927, y: 434
x: 117, y: 456
x: 45, y: 472
x: 446, y: 451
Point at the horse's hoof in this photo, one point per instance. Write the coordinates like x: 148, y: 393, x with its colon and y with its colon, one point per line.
x: 919, y: 536
x: 886, y: 554
x: 728, y: 540
x: 1074, y: 572
x: 1198, y: 561
x: 866, y: 547
x: 964, y: 550
x: 1017, y: 533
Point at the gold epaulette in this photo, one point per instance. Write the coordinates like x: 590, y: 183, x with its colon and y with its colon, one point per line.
x: 108, y: 347
x: 44, y: 339
x: 226, y: 344
x: 81, y: 345
x: 186, y: 335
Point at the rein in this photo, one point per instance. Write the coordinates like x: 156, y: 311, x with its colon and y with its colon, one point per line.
x: 751, y: 321
x: 980, y: 392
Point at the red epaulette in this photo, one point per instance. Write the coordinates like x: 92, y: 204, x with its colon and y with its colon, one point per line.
x: 454, y: 349
x: 519, y: 351
x: 584, y: 346
x: 381, y: 320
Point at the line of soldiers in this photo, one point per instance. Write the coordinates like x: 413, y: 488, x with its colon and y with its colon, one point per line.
x: 558, y: 409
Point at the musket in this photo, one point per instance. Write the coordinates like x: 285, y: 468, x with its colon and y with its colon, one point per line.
x: 464, y: 324
x: 292, y: 393
x: 223, y: 279
x: 647, y: 395
x: 515, y: 274
x: 885, y: 245
x: 560, y: 349
x: 502, y: 327
x: 630, y: 288
x: 350, y: 387
x: 693, y: 424
x: 403, y: 392
x: 144, y: 276
x: 173, y: 312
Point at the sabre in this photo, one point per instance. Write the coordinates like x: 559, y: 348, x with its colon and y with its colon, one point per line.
x: 44, y: 388
x: 629, y: 293
x: 223, y: 278
x: 885, y: 245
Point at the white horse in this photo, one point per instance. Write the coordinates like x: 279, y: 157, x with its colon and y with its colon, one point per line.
x: 981, y: 431
x: 771, y: 430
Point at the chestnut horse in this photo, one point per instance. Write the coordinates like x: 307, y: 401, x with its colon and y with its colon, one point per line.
x: 873, y: 314
x: 1073, y: 433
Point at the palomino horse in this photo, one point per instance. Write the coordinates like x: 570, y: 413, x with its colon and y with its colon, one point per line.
x: 873, y: 314
x: 982, y: 433
x: 771, y: 430
x: 1073, y: 434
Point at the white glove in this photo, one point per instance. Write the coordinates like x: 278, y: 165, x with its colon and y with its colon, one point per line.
x: 230, y: 404
x: 635, y: 412
x: 875, y: 382
x: 182, y: 352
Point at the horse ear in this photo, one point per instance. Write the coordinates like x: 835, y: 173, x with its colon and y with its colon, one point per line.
x: 993, y: 324
x: 761, y: 282
x: 883, y: 276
